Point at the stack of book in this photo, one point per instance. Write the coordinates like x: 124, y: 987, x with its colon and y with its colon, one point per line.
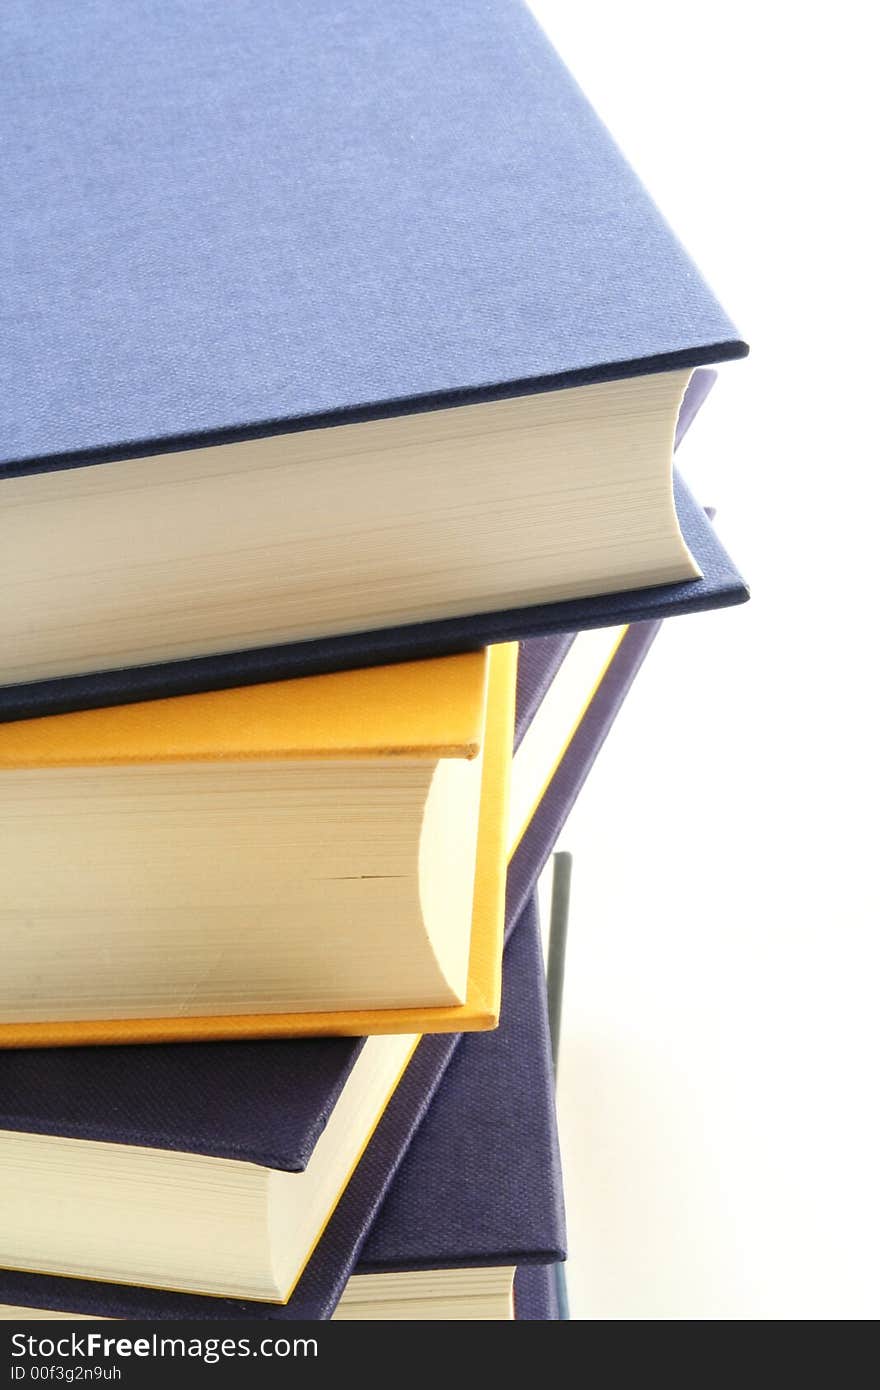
x: 345, y: 358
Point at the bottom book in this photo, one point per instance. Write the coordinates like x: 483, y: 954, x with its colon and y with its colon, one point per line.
x: 477, y: 1198
x: 535, y: 1294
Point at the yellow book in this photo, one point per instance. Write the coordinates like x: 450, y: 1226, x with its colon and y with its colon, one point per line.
x: 305, y: 858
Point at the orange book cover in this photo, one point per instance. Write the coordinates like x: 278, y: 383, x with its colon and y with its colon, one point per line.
x: 417, y: 709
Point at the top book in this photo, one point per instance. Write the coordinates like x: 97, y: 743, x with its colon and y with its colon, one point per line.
x: 320, y: 320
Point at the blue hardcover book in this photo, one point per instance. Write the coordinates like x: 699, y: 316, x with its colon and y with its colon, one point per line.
x: 333, y: 335
x: 480, y: 1191
x: 535, y: 1294
x: 264, y: 1102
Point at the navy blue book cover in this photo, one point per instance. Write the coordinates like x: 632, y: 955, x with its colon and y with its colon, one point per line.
x: 535, y: 1297
x: 223, y: 221
x: 481, y: 1181
x: 337, y: 1254
x: 539, y: 660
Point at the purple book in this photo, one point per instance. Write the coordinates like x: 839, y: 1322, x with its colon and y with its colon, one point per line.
x: 535, y: 1297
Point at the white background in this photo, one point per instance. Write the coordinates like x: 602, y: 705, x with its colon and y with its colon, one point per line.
x: 719, y: 1079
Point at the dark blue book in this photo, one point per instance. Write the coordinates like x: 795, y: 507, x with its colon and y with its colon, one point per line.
x: 477, y: 1196
x: 333, y: 335
x: 535, y: 1294
x: 480, y: 1191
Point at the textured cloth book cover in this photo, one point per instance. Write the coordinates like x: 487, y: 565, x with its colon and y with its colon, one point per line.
x: 481, y: 1183
x: 535, y: 1297
x: 252, y: 244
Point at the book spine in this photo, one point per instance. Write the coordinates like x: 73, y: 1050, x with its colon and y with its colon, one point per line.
x: 537, y: 843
